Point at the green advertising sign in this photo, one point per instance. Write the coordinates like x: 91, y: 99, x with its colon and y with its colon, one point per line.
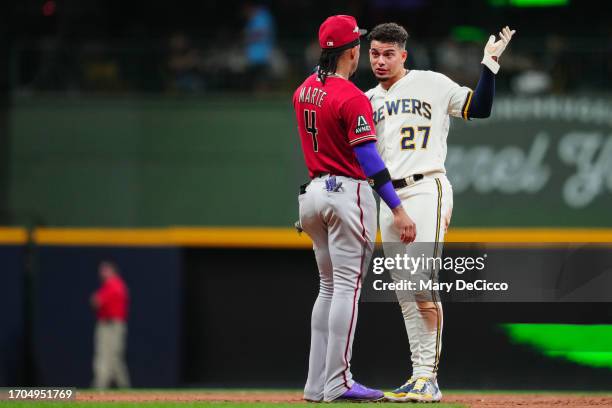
x: 236, y: 161
x: 535, y: 162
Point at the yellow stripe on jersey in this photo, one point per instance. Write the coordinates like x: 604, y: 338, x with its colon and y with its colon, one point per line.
x: 467, y: 105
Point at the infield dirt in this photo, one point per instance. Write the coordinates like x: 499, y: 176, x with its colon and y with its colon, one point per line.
x: 475, y: 400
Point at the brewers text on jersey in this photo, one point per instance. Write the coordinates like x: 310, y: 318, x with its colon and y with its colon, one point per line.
x: 402, y: 106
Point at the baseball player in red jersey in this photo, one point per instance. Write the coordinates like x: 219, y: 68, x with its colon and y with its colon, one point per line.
x: 337, y: 208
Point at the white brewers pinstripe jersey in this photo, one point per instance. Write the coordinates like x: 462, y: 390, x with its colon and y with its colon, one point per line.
x: 412, y: 121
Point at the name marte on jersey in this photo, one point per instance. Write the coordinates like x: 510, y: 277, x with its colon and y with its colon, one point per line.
x: 401, y: 106
x: 313, y: 95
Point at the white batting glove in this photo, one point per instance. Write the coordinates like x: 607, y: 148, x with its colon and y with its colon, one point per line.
x: 494, y: 49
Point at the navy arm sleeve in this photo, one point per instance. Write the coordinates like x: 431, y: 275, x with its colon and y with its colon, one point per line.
x: 482, y: 99
x: 371, y: 163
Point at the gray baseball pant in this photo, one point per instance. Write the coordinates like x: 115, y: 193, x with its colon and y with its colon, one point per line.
x: 342, y: 226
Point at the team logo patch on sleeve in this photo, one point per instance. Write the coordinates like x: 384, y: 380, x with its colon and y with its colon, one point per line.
x: 362, y: 125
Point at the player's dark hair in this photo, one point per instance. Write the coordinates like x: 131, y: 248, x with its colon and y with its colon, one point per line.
x: 389, y: 33
x: 328, y: 63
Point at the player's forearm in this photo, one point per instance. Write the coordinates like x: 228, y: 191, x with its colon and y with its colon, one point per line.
x: 482, y: 100
x: 375, y: 169
x: 388, y: 195
x: 480, y: 103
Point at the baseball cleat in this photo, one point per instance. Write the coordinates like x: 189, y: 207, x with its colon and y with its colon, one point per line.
x: 399, y: 394
x: 360, y: 393
x: 421, y: 389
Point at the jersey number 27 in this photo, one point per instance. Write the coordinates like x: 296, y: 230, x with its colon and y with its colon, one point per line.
x: 310, y: 122
x: 408, y: 134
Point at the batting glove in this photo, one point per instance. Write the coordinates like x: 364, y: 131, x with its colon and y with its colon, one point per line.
x: 494, y: 49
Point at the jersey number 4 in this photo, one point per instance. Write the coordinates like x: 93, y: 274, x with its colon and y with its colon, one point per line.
x: 310, y: 122
x: 408, y: 134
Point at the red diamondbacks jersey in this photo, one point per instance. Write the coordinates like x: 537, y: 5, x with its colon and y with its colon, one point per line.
x: 332, y: 119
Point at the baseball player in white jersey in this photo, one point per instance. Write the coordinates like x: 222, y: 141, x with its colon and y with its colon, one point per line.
x: 412, y: 112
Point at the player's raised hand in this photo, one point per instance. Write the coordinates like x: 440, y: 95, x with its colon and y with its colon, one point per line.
x: 494, y: 48
x: 404, y: 224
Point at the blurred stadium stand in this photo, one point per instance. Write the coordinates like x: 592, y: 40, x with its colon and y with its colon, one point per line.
x: 96, y: 47
x: 551, y: 65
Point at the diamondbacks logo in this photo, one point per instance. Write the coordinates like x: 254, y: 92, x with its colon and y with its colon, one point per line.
x: 362, y: 125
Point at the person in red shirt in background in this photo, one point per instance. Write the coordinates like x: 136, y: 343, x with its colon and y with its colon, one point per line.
x: 110, y: 302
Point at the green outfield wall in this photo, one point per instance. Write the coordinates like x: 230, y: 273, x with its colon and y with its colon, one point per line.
x: 235, y: 161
